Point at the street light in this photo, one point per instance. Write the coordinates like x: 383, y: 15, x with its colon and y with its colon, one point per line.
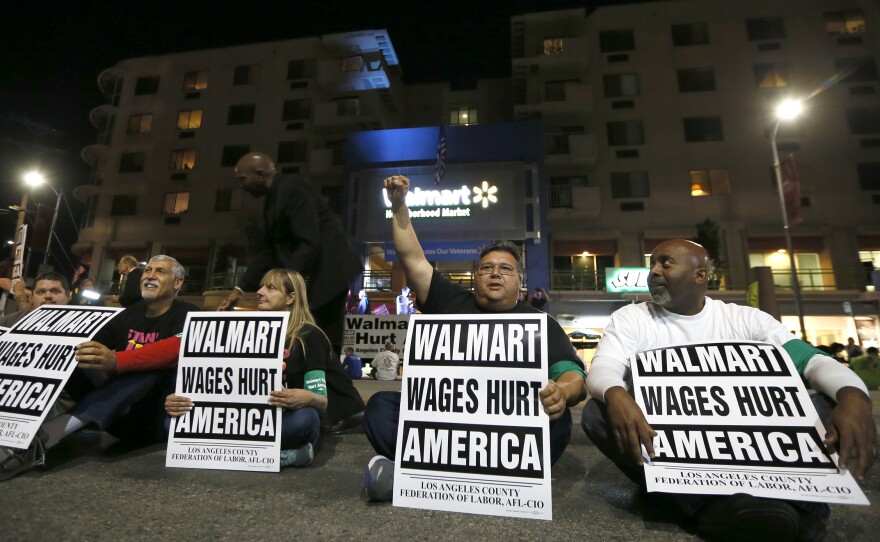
x: 35, y: 179
x: 788, y: 110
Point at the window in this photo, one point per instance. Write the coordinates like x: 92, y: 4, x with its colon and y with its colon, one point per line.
x: 807, y: 265
x: 291, y: 151
x: 621, y: 84
x: 176, y: 203
x: 182, y: 159
x: 703, y: 129
x: 553, y: 46
x: 231, y: 154
x: 463, y: 115
x: 627, y: 132
x: 146, y: 85
x: 246, y: 75
x: 140, y: 124
x: 338, y: 147
x: 195, y: 81
x: 352, y: 64
x: 612, y: 41
x: 189, y: 119
x: 869, y: 175
x: 348, y: 107
x: 123, y: 205
x: 297, y: 109
x: 241, y: 114
x: 856, y: 70
x: 863, y: 121
x: 765, y: 28
x: 709, y: 182
x: 302, y: 68
x: 773, y: 75
x: 559, y: 191
x: 696, y: 80
x: 690, y: 34
x: 228, y: 200
x: 132, y: 162
x: 845, y: 22
x: 629, y: 184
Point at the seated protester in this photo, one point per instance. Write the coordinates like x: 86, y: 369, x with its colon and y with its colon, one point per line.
x: 353, y: 364
x: 127, y: 405
x: 867, y: 367
x: 497, y: 284
x: 49, y: 289
x: 680, y: 313
x: 385, y: 364
x: 314, y: 384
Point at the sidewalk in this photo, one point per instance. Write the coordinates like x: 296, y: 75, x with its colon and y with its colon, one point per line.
x: 93, y: 489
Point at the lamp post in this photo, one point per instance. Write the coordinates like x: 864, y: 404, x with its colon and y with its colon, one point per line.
x: 788, y: 110
x: 35, y: 179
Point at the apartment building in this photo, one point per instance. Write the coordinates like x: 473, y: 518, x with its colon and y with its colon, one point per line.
x: 657, y: 116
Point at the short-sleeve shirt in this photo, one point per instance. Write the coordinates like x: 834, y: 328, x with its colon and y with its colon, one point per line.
x: 132, y: 329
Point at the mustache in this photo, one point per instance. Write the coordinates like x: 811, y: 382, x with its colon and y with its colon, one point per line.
x: 151, y: 282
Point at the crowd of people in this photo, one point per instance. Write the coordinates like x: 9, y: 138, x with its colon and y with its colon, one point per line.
x: 124, y: 383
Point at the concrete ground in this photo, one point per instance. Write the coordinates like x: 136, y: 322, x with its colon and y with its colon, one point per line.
x: 93, y: 489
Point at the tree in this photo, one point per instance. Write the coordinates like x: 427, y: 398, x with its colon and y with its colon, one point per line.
x: 709, y: 235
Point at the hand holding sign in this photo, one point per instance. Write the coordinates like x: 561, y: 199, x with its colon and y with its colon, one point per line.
x: 851, y: 430
x: 294, y: 398
x: 94, y: 355
x: 628, y: 425
x: 396, y: 188
x: 177, y: 405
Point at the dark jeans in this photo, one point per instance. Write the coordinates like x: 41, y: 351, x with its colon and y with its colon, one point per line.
x: 594, y: 421
x: 383, y: 414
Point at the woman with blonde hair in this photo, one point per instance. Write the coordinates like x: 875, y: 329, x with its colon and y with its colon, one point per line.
x: 314, y: 385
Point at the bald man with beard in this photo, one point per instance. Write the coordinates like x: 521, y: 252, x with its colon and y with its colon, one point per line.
x: 679, y: 313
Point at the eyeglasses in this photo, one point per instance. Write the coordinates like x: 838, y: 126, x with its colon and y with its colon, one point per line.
x: 503, y: 269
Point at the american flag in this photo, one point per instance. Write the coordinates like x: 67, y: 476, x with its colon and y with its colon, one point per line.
x: 440, y: 166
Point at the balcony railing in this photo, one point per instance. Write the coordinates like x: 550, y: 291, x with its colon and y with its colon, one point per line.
x: 811, y: 280
x: 559, y: 196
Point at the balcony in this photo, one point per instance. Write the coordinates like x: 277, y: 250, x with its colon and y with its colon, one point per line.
x: 574, y: 201
x: 560, y: 99
x: 573, y: 53
x: 365, y: 71
x: 562, y: 148
x: 355, y: 113
x: 91, y: 153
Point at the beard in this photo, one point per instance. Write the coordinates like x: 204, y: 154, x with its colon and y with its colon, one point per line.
x: 661, y: 298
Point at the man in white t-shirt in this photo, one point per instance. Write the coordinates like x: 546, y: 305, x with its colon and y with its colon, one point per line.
x: 385, y: 364
x: 680, y: 313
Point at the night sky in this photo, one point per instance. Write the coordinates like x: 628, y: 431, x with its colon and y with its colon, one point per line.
x: 52, y: 53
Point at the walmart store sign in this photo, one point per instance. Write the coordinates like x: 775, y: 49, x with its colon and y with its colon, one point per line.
x: 626, y: 279
x: 457, y: 203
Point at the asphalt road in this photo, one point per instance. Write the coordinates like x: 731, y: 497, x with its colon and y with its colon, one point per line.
x: 93, y: 489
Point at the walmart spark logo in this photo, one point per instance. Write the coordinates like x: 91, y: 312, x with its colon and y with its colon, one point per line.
x: 485, y: 194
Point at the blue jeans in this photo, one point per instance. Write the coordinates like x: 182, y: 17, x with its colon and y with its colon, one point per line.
x: 383, y: 414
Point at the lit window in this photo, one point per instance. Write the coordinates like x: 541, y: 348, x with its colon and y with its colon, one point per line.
x: 139, y: 124
x: 554, y: 46
x: 195, y: 81
x: 845, y: 22
x: 183, y: 159
x: 189, y: 119
x: 463, y: 115
x: 709, y: 182
x: 771, y: 75
x: 176, y: 203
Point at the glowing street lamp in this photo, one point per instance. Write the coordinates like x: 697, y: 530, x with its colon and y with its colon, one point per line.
x: 35, y: 179
x: 785, y: 111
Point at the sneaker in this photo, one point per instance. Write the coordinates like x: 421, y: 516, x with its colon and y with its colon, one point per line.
x: 14, y: 461
x: 298, y: 457
x: 746, y: 518
x: 379, y: 479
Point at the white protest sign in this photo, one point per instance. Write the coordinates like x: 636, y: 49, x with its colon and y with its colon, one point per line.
x: 229, y: 363
x: 368, y: 333
x: 734, y: 417
x: 473, y: 436
x: 36, y: 359
x: 18, y: 262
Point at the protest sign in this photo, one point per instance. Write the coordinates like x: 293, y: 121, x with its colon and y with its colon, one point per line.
x: 37, y: 356
x: 229, y: 363
x: 368, y: 333
x: 473, y: 436
x: 734, y: 417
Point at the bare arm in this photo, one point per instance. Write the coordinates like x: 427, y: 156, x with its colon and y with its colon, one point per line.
x: 568, y: 390
x: 409, y: 251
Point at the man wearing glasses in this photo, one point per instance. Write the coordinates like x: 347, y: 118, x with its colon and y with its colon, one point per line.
x: 497, y: 285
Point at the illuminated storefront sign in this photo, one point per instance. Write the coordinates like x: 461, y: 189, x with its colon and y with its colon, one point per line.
x: 626, y: 279
x: 447, y: 203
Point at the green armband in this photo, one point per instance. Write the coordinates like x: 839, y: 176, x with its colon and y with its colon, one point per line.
x: 315, y: 382
x: 800, y: 353
x: 561, y: 367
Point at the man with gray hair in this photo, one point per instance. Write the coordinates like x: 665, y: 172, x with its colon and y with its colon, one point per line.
x: 119, y: 393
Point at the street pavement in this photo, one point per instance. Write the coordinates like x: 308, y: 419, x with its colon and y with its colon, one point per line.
x: 94, y: 489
